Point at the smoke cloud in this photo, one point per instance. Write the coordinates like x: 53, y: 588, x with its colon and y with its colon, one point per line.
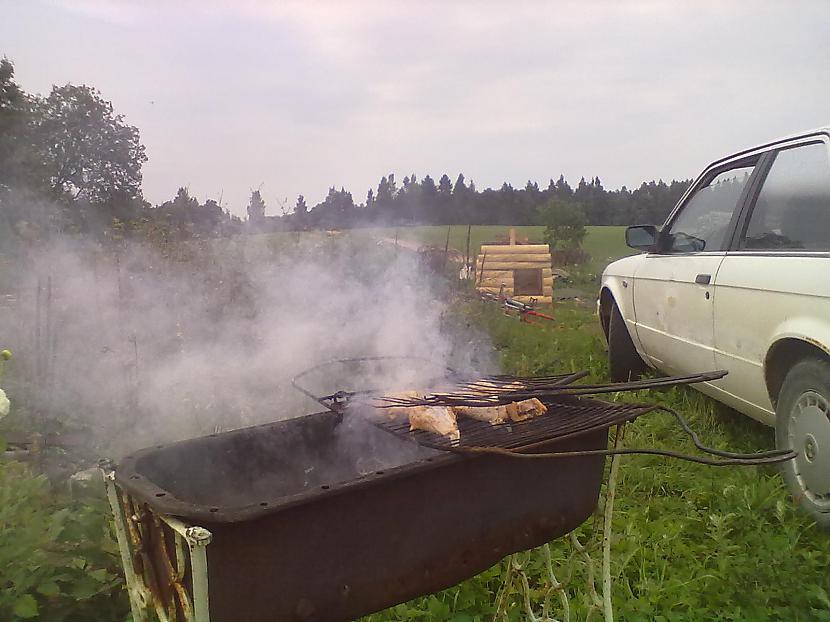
x: 139, y: 348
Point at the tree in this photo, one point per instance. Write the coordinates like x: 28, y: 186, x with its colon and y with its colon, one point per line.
x: 18, y: 161
x: 386, y: 187
x: 301, y: 209
x: 564, y: 224
x: 88, y: 150
x: 336, y: 210
x: 445, y: 186
x: 256, y: 209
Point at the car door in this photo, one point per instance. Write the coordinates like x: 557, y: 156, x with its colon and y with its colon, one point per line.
x: 768, y: 285
x: 673, y: 287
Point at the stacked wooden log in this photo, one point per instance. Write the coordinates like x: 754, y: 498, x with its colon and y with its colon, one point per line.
x: 497, y: 263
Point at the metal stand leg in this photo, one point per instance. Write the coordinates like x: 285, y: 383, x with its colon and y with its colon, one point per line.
x: 138, y: 605
x: 134, y: 543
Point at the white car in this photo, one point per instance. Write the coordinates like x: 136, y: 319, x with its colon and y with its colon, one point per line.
x: 738, y: 278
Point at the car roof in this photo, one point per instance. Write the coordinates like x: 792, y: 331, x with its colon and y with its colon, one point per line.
x: 825, y: 129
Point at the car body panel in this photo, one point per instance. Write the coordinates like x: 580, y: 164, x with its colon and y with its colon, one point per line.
x: 761, y: 300
x: 618, y: 281
x: 755, y: 300
x: 673, y: 314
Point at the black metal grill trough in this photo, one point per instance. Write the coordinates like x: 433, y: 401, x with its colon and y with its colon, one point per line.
x: 307, y: 525
x: 335, y: 544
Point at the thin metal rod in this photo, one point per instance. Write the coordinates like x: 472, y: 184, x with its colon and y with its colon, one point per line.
x: 624, y: 452
x: 607, y: 514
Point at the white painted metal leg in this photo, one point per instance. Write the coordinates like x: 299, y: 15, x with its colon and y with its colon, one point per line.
x: 198, y: 538
x: 137, y: 604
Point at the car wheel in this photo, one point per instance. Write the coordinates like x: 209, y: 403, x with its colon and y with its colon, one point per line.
x: 802, y: 423
x: 623, y: 361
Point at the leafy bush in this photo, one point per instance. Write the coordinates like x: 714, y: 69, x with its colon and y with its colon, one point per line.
x: 569, y: 257
x: 58, y: 559
x: 564, y: 224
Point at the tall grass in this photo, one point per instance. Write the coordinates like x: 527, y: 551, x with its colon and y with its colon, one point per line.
x: 691, y: 542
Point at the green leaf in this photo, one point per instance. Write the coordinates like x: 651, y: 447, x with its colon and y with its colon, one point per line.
x: 50, y: 588
x: 25, y: 606
x: 821, y: 595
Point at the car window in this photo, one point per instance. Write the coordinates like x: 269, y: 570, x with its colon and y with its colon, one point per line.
x: 703, y: 221
x: 792, y: 211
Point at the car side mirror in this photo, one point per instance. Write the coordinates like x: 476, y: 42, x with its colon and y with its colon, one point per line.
x: 641, y: 237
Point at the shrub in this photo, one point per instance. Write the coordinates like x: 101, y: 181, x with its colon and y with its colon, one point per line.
x: 564, y: 224
x: 58, y: 558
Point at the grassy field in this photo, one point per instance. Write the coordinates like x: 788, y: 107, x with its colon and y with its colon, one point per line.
x: 691, y: 542
x: 603, y: 244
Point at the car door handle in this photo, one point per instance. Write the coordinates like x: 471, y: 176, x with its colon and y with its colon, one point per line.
x: 703, y: 279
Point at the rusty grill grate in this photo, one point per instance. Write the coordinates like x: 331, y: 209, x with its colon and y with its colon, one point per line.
x: 570, y: 413
x: 494, y: 390
x: 564, y: 419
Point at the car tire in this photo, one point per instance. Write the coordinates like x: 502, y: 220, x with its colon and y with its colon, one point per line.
x: 802, y: 423
x: 624, y: 363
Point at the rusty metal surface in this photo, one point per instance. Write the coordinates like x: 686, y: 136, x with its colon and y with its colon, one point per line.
x: 336, y: 551
x: 342, y: 556
x: 156, y: 560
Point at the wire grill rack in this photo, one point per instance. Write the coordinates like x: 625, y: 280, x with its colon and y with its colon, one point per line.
x: 564, y: 419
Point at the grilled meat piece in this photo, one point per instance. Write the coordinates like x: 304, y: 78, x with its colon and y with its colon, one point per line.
x: 393, y: 412
x: 526, y: 409
x: 436, y: 419
x: 491, y: 414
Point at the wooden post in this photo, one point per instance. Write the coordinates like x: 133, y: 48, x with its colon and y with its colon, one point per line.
x: 512, y: 236
x: 481, y: 273
x: 467, y: 255
x: 49, y: 354
x: 447, y: 247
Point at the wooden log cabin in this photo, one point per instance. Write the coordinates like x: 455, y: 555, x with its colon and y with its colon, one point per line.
x: 523, y: 269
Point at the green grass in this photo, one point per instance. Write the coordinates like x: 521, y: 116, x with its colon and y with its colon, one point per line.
x: 603, y: 244
x: 691, y: 542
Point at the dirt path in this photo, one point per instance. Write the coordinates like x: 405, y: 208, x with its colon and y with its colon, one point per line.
x: 407, y: 244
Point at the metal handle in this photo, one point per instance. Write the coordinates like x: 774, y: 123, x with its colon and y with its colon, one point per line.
x: 703, y: 279
x: 341, y: 396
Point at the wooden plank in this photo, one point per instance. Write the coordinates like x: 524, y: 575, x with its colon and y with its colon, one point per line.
x: 518, y: 261
x: 488, y: 280
x: 514, y: 265
x: 547, y: 273
x: 543, y: 257
x: 496, y: 249
x: 486, y: 277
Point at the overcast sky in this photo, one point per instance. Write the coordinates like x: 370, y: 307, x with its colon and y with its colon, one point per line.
x: 297, y: 97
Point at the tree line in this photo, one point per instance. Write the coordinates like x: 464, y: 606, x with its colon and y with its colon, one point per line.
x: 447, y: 203
x: 70, y: 163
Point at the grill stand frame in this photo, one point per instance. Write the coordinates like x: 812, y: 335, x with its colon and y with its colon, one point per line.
x: 186, y: 597
x: 144, y: 602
